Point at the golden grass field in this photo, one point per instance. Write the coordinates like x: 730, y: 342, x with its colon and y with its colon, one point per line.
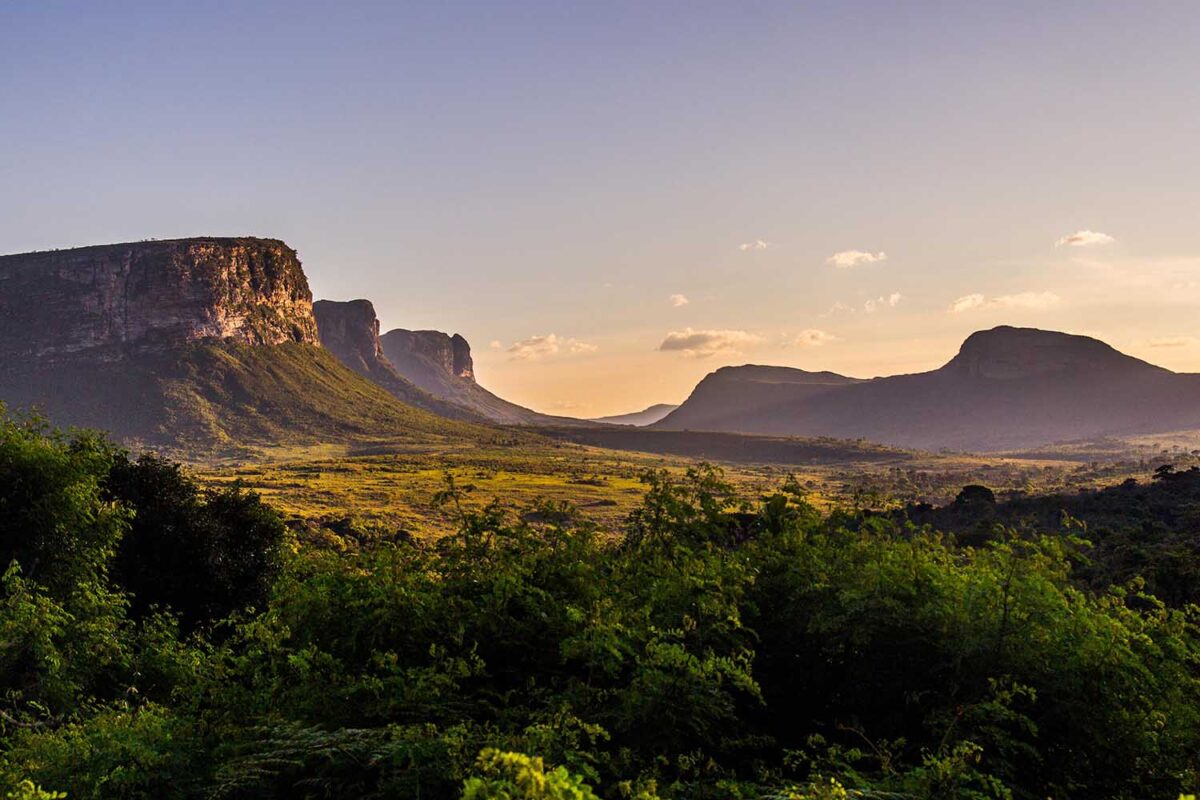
x: 392, y: 487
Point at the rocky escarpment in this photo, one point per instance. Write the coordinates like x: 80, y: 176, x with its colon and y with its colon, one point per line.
x: 441, y: 365
x: 107, y: 299
x: 195, y: 345
x: 433, y: 360
x: 350, y: 330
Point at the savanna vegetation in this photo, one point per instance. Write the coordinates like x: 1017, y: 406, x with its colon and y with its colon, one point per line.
x: 160, y: 638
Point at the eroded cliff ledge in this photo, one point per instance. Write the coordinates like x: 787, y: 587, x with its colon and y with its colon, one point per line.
x: 105, y: 300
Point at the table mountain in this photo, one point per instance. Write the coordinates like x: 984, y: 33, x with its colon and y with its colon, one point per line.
x: 200, y: 344
x: 108, y: 299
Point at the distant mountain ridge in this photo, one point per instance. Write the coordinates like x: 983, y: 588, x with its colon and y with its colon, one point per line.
x: 639, y: 419
x: 1006, y: 388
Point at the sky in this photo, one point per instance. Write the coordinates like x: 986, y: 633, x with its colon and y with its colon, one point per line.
x: 612, y: 199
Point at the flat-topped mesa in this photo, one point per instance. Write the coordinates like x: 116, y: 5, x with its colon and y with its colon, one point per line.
x: 350, y: 330
x: 430, y: 357
x: 104, y: 300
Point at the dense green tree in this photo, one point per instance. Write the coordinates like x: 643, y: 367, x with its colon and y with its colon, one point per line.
x: 202, y: 553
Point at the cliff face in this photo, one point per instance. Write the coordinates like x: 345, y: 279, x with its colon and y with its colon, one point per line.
x: 350, y: 330
x: 441, y: 365
x: 431, y: 359
x: 104, y: 300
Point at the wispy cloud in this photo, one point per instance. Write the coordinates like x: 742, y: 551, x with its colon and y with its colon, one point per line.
x: 812, y: 337
x: 1173, y: 341
x: 1033, y: 301
x: 757, y: 244
x: 869, y: 306
x: 889, y: 301
x: 702, y: 344
x: 1084, y: 238
x: 967, y: 302
x: 852, y: 258
x: 536, y: 347
x: 496, y: 344
x: 678, y: 300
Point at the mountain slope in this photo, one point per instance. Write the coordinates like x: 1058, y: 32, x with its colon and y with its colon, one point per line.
x: 1006, y: 388
x: 638, y: 419
x: 213, y: 396
x: 441, y: 365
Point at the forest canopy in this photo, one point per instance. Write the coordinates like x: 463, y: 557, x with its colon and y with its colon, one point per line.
x: 163, y: 640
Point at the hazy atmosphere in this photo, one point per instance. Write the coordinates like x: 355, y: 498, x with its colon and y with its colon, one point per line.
x: 610, y: 200
x: 606, y: 400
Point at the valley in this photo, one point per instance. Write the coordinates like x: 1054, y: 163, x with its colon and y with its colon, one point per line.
x: 599, y: 401
x: 330, y: 546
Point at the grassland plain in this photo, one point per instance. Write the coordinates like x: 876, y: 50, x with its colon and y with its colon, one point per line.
x: 386, y: 487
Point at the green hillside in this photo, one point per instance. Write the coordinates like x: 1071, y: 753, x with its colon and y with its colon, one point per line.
x: 215, y: 398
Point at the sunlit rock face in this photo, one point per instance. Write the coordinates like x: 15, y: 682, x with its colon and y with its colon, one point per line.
x: 106, y: 300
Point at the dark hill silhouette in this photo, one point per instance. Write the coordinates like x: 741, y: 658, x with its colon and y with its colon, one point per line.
x: 1007, y: 388
x: 750, y: 399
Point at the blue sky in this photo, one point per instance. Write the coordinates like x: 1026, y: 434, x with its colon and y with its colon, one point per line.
x: 550, y: 178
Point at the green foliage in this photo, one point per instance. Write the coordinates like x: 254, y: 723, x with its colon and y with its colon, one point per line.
x: 723, y: 647
x: 53, y: 519
x: 28, y: 790
x: 141, y: 752
x: 516, y: 776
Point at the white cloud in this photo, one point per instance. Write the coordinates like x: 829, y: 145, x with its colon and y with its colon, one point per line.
x: 838, y: 308
x: 536, y: 347
x: 757, y: 244
x: 1084, y: 238
x: 869, y: 306
x: 1034, y: 301
x: 811, y: 337
x: 1173, y: 341
x: 496, y: 344
x: 702, y: 344
x: 852, y: 258
x: 890, y: 301
x: 678, y: 300
x: 967, y: 302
